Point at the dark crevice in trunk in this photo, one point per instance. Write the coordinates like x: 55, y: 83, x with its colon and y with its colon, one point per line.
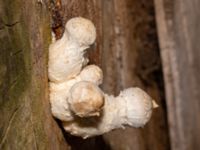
x: 57, y: 27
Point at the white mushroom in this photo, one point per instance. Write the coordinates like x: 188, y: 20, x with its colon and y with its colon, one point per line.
x: 60, y: 92
x: 75, y: 97
x: 66, y: 55
x: 133, y: 107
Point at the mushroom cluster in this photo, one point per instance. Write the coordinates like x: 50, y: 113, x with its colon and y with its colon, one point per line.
x: 75, y: 97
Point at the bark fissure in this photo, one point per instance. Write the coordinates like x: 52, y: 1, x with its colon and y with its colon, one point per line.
x: 17, y: 52
x: 9, y: 126
x: 11, y: 24
x: 56, y: 18
x: 12, y: 84
x: 34, y: 133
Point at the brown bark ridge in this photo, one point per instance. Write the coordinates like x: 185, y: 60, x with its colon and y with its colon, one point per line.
x: 25, y: 117
x: 179, y: 28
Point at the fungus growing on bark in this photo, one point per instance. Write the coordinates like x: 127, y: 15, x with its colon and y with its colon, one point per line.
x: 86, y: 99
x: 75, y: 97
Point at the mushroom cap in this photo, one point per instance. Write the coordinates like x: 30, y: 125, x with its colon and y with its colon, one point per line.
x: 139, y: 106
x: 86, y: 99
x: 92, y: 73
x: 81, y: 30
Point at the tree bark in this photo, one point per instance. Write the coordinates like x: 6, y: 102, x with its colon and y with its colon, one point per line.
x: 26, y: 121
x: 126, y: 48
x: 131, y: 58
x: 178, y: 28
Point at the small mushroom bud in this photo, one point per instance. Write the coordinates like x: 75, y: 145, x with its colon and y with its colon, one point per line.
x: 139, y: 106
x: 86, y: 99
x: 93, y: 74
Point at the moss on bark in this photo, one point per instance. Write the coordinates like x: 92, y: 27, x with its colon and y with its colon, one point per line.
x: 26, y: 122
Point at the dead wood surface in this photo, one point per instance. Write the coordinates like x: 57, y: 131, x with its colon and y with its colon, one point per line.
x: 179, y: 29
x: 26, y: 122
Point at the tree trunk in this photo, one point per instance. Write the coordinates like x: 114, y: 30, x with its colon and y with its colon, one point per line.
x: 26, y: 121
x: 179, y: 31
x: 126, y: 49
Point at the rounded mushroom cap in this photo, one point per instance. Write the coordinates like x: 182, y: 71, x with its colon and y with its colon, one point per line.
x: 86, y: 99
x: 81, y: 30
x: 93, y: 74
x: 139, y: 106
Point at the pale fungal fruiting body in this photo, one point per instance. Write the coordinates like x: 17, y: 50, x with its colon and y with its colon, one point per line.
x: 60, y: 92
x: 86, y: 99
x: 75, y: 97
x: 132, y: 107
x: 66, y: 55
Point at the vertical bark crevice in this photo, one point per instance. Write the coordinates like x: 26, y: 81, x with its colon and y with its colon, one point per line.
x: 57, y: 26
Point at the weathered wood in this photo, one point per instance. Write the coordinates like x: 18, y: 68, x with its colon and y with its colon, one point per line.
x: 25, y: 118
x: 131, y: 58
x: 179, y: 29
x: 126, y: 48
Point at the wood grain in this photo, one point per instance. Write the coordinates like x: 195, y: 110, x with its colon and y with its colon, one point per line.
x: 25, y: 117
x: 178, y: 28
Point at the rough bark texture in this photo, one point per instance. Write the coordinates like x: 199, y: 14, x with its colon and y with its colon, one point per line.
x: 179, y: 30
x: 25, y: 118
x: 131, y: 58
x: 127, y: 50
